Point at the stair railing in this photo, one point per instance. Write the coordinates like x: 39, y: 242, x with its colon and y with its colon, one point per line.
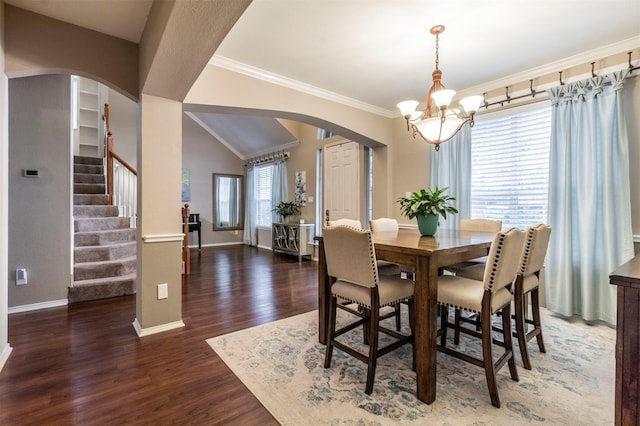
x: 122, y: 178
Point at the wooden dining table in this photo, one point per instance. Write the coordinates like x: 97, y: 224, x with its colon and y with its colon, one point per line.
x: 427, y: 255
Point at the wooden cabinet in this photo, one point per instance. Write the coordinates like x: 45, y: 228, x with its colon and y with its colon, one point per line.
x: 293, y: 238
x: 627, y: 278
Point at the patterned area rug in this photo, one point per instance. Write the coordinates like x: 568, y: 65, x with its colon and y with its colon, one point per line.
x: 282, y: 365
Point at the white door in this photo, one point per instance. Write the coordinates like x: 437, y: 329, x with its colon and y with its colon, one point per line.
x: 342, y: 181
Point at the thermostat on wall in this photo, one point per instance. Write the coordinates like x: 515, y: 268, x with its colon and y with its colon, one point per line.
x: 31, y: 173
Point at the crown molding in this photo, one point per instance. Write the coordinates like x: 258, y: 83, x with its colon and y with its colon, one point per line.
x: 560, y: 65
x: 248, y: 70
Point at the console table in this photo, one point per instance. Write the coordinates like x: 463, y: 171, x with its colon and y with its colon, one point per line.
x: 293, y: 238
x: 627, y: 278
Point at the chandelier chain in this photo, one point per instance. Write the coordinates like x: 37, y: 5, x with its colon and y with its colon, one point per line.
x: 437, y: 51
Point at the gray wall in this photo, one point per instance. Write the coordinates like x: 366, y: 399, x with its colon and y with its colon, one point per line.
x: 123, y: 120
x: 39, y: 208
x: 203, y: 155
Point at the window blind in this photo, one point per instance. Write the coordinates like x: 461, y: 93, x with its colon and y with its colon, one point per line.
x: 262, y: 193
x: 510, y: 167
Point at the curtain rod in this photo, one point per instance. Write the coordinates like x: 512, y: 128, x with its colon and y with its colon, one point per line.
x: 267, y: 158
x: 532, y: 93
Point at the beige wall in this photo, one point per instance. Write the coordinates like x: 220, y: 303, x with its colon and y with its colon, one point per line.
x: 40, y: 208
x: 159, y: 226
x: 203, y: 155
x: 179, y: 39
x: 35, y: 44
x: 123, y: 119
x: 303, y: 158
x: 224, y: 88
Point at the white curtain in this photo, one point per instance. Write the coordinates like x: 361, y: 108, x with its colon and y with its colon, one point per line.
x: 250, y: 236
x: 589, y: 197
x: 451, y: 168
x: 279, y: 185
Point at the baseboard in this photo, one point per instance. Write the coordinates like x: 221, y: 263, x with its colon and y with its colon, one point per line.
x: 264, y: 247
x: 141, y: 332
x: 38, y: 306
x: 4, y: 356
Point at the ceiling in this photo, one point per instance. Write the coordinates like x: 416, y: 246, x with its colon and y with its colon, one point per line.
x: 375, y: 53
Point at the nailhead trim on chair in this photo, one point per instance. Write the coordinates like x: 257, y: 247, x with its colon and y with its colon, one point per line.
x: 496, y: 261
x: 459, y: 307
x: 372, y: 258
x: 527, y: 250
x: 405, y: 299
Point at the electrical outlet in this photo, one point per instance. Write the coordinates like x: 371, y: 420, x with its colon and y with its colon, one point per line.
x: 163, y: 291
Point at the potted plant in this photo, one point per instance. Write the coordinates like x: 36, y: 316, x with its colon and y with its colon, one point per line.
x: 287, y: 209
x: 427, y: 206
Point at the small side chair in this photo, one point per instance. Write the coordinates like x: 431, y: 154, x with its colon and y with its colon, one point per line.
x: 384, y: 268
x: 485, y: 298
x: 385, y: 224
x: 351, y: 259
x: 527, y: 282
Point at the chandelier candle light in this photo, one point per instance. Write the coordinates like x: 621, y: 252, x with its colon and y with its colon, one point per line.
x: 438, y: 123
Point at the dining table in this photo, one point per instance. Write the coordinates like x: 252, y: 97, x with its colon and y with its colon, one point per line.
x: 427, y: 255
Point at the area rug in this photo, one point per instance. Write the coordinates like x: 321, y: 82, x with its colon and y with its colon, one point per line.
x: 282, y: 365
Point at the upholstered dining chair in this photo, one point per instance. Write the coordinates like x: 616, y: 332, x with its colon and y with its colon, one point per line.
x: 480, y: 225
x: 490, y: 296
x: 385, y: 224
x: 527, y: 282
x: 351, y: 260
x: 384, y: 268
x: 346, y: 222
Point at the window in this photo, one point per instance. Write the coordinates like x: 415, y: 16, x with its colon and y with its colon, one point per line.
x: 223, y: 196
x: 262, y: 185
x: 324, y: 134
x: 510, y: 166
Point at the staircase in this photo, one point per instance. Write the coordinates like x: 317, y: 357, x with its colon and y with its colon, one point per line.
x: 105, y: 244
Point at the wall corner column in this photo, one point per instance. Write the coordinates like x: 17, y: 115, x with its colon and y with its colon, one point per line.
x: 159, y: 233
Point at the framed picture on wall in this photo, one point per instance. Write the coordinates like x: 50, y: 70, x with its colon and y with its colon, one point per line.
x: 301, y: 188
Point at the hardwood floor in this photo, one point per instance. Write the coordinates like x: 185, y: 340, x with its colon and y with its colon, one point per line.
x: 84, y: 363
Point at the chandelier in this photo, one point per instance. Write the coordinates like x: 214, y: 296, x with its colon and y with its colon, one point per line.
x: 438, y: 123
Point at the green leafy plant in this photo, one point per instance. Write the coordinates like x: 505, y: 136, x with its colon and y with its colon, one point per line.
x: 427, y: 202
x: 287, y: 208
